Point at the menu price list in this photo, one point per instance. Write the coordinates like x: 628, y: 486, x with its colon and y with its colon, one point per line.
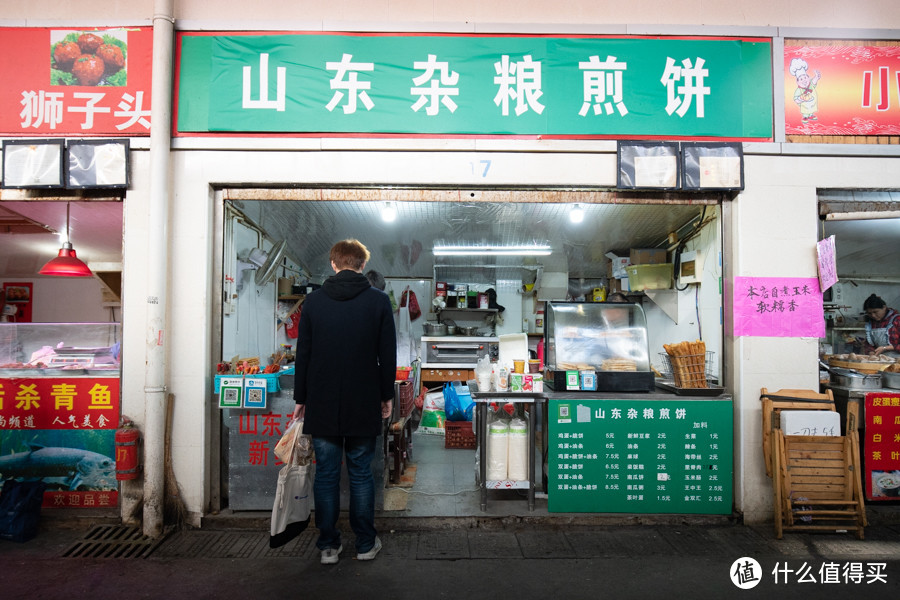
x: 640, y: 456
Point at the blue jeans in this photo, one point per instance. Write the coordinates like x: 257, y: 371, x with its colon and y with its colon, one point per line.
x: 359, y: 452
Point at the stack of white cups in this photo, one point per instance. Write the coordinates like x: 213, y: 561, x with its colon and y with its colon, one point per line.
x: 517, y: 457
x: 497, y: 450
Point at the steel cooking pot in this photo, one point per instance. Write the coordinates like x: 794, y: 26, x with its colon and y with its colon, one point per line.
x: 854, y: 380
x: 432, y: 328
x: 890, y: 380
x: 451, y: 329
x: 469, y: 331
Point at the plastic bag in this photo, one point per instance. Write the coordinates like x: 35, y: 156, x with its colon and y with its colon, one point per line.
x: 294, y: 448
x: 393, y: 300
x: 434, y: 399
x: 410, y: 296
x: 483, y: 374
x: 458, y: 403
x: 293, y: 324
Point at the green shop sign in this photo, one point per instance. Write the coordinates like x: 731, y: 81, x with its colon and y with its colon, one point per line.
x: 640, y: 456
x: 475, y: 85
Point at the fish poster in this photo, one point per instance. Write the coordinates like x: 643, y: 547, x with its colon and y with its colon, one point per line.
x: 78, y: 467
x: 61, y: 430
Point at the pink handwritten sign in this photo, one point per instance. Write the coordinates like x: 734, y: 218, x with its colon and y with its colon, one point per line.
x: 778, y: 307
x: 827, y: 260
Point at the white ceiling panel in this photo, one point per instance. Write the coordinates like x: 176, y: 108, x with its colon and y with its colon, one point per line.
x: 403, y: 248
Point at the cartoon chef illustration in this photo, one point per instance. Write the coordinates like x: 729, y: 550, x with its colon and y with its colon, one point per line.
x: 806, y: 96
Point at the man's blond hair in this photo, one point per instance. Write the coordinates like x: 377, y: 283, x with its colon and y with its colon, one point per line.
x: 349, y: 254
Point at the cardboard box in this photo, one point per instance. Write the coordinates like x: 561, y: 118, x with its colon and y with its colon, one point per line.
x: 527, y: 382
x: 516, y: 382
x: 617, y: 265
x: 648, y: 256
x: 618, y: 285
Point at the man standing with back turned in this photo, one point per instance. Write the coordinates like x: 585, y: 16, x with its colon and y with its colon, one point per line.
x: 345, y: 369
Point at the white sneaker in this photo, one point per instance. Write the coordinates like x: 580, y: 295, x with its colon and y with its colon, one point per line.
x: 370, y: 555
x: 330, y: 556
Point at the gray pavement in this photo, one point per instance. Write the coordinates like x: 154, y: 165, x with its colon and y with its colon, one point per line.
x: 619, y: 557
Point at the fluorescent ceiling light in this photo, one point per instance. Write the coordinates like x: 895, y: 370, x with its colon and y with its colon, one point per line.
x: 576, y: 215
x: 531, y: 250
x: 389, y: 212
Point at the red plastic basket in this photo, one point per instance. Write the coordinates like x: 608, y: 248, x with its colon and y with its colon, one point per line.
x: 407, y: 399
x: 459, y: 434
x: 403, y: 373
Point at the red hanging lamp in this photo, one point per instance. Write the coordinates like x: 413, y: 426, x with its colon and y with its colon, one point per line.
x: 67, y: 264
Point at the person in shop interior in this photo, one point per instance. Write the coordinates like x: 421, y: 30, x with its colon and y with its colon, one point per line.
x: 376, y: 279
x: 344, y: 387
x: 882, y: 328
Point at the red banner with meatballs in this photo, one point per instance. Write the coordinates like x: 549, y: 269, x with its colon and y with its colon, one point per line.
x: 75, y: 82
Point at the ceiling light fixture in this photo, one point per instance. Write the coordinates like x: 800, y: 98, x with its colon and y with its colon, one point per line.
x: 576, y: 215
x: 389, y: 212
x: 67, y: 264
x: 532, y: 250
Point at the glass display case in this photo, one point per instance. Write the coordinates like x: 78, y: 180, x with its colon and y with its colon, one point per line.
x: 54, y: 349
x: 605, y: 343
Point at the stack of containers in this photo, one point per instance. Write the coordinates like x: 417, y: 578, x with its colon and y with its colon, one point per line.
x: 507, y: 450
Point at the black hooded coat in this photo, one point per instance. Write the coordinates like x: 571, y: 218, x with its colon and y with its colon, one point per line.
x: 346, y: 357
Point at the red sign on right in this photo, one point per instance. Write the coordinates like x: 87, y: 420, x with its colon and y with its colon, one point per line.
x: 882, y: 446
x: 841, y: 90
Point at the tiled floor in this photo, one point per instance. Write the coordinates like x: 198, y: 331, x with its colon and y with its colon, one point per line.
x: 446, y: 485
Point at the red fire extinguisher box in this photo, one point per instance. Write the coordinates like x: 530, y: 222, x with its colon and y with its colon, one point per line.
x: 127, y: 453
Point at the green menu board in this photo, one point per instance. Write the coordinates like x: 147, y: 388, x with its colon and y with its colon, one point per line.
x: 640, y: 456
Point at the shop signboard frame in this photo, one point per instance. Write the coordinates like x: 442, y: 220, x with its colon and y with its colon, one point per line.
x: 42, y: 96
x: 842, y: 88
x: 585, y: 86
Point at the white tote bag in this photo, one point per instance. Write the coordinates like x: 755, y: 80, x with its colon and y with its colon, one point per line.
x: 290, y: 511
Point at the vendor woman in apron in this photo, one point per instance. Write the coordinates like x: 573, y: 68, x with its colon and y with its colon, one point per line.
x: 882, y: 328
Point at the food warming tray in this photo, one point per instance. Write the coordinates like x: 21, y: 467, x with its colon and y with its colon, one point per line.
x: 669, y: 386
